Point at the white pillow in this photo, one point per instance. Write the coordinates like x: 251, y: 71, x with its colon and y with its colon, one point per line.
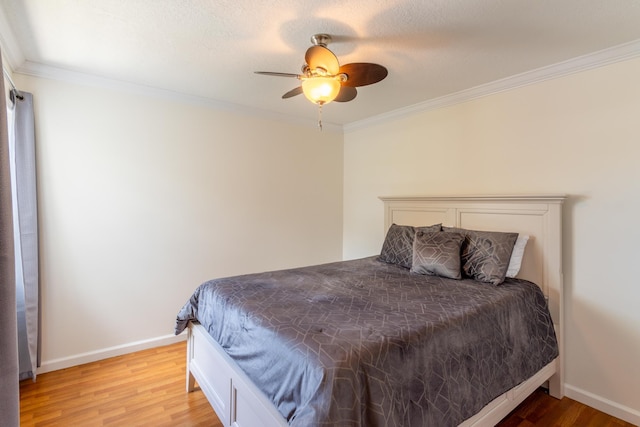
x: 516, y: 256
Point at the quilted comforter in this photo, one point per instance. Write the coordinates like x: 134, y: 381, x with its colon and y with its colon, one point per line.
x: 365, y: 343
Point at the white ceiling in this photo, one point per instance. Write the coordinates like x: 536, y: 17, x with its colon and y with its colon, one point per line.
x: 210, y: 48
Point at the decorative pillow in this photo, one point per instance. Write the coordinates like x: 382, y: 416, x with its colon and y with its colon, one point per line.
x: 398, y: 244
x: 485, y: 254
x: 516, y: 256
x: 438, y: 254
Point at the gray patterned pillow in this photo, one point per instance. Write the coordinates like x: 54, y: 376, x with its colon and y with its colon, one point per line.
x: 485, y: 254
x: 398, y: 244
x: 437, y: 254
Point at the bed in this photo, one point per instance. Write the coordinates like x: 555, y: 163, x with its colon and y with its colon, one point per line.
x: 404, y: 367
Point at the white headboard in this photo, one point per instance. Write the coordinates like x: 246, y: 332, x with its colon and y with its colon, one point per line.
x: 539, y: 216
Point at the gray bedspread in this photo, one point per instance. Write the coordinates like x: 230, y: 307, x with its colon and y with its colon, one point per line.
x: 365, y: 343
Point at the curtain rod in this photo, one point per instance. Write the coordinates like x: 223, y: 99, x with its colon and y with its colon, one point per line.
x: 13, y: 85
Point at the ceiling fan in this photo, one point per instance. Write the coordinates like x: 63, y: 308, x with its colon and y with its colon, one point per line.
x: 325, y: 80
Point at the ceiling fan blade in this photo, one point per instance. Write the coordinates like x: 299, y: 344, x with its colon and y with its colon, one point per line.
x: 363, y: 73
x: 292, y: 92
x: 346, y: 94
x: 320, y: 56
x: 271, y: 73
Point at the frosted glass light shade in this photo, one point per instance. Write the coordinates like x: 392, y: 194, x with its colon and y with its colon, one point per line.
x: 321, y: 90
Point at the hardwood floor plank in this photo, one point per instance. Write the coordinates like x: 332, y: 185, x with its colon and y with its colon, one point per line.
x: 143, y: 388
x: 542, y: 410
x: 147, y: 388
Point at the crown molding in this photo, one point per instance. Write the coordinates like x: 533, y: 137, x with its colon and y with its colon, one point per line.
x: 15, y: 61
x: 590, y: 61
x: 604, y: 57
x: 75, y: 77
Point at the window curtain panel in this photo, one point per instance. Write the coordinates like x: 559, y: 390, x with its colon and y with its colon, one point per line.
x: 9, y: 391
x: 25, y: 225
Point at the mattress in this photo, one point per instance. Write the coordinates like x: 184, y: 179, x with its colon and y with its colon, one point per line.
x: 366, y: 343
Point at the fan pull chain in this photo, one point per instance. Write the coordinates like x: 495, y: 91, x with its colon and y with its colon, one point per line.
x: 320, y: 116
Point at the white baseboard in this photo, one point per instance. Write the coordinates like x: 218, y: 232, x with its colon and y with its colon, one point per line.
x: 105, y: 353
x: 607, y: 406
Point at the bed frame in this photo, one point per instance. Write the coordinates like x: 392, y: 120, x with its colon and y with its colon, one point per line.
x: 239, y: 403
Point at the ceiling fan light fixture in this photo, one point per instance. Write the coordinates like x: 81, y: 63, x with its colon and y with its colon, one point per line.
x: 324, y: 80
x: 321, y: 90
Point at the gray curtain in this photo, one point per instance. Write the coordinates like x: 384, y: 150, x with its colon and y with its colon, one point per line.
x: 25, y: 225
x: 9, y: 391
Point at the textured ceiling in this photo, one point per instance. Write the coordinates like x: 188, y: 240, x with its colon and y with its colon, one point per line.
x: 210, y: 48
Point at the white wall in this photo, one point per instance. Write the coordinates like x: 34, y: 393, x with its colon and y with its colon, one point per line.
x: 578, y: 135
x: 143, y: 198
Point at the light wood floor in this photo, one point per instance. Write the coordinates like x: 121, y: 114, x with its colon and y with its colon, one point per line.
x: 147, y: 388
